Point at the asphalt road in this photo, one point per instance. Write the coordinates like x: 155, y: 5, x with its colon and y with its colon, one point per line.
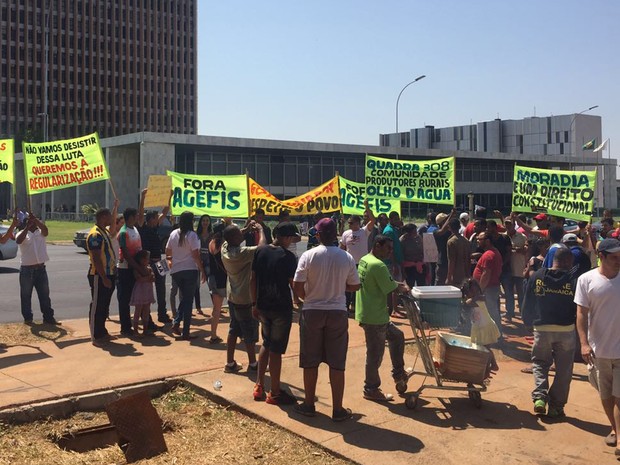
x: 69, y: 289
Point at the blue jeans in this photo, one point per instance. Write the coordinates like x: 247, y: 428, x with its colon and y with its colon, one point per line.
x: 376, y: 335
x: 549, y: 347
x: 35, y: 277
x: 186, y: 281
x: 509, y: 283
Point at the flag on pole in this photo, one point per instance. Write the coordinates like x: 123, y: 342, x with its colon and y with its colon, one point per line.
x: 589, y: 145
x: 602, y: 146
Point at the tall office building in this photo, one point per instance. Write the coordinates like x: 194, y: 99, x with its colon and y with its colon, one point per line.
x: 116, y: 67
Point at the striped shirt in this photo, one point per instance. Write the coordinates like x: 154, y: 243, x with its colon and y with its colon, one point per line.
x: 99, y: 242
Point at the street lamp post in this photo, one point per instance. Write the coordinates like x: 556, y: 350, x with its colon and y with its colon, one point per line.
x: 570, y: 129
x: 401, y: 92
x: 45, y: 113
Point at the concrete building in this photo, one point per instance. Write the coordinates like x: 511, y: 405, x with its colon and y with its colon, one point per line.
x: 112, y: 67
x: 287, y: 168
x: 558, y: 139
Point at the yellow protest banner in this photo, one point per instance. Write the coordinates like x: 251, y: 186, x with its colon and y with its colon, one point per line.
x: 353, y: 195
x: 158, y: 193
x: 7, y: 161
x: 224, y: 196
x: 569, y: 194
x: 325, y: 199
x: 427, y: 181
x: 66, y: 163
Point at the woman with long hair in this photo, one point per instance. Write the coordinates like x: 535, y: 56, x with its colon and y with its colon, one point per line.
x: 217, y: 279
x: 204, y: 232
x: 183, y: 254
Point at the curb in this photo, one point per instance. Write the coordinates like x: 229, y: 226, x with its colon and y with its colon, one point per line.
x: 93, y: 401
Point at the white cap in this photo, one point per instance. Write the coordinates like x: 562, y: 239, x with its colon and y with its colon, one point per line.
x: 464, y: 216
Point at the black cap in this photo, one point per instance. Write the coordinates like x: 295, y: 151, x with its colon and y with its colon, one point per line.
x: 287, y: 229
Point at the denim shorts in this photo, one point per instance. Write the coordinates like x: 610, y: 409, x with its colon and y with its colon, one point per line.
x: 275, y: 329
x: 242, y: 324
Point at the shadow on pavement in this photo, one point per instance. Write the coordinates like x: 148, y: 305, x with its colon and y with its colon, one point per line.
x: 459, y: 413
x: 121, y: 350
x: 12, y: 360
x: 5, y: 270
x: 363, y: 436
x: 594, y: 428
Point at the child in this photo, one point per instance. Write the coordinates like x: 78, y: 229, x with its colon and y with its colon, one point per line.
x: 483, y: 329
x: 142, y: 295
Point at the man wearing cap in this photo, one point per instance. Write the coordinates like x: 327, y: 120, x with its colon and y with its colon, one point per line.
x: 32, y: 272
x: 580, y: 257
x: 270, y: 285
x: 549, y: 309
x: 598, y: 324
x: 323, y: 275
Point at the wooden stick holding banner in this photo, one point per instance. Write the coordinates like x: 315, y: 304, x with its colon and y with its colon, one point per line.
x: 112, y: 187
x: 339, y: 195
x: 247, y: 183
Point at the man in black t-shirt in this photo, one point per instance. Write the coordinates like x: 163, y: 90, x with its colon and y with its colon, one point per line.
x: 271, y: 285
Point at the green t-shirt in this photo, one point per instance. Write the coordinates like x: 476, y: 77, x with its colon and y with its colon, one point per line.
x: 371, y: 299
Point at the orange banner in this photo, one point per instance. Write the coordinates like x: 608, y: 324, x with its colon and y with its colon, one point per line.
x: 325, y: 199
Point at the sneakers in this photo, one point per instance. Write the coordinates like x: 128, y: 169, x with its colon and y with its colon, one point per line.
x: 164, y: 319
x: 52, y: 321
x: 176, y: 329
x: 305, y: 410
x: 283, y: 398
x: 253, y: 366
x: 540, y: 406
x: 258, y: 393
x: 556, y: 412
x: 378, y: 396
x: 215, y: 340
x: 233, y: 367
x: 342, y: 414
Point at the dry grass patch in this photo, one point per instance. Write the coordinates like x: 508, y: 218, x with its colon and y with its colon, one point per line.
x: 12, y: 334
x: 198, y: 431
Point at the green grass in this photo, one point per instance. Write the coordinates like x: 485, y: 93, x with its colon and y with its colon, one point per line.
x: 64, y: 230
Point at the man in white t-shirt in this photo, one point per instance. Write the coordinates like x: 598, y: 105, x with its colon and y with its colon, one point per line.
x: 355, y: 241
x: 323, y: 275
x: 598, y: 324
x: 32, y: 272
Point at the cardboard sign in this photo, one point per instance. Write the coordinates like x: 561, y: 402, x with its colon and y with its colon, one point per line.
x: 158, y: 193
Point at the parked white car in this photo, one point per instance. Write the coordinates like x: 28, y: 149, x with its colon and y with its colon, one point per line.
x: 8, y: 250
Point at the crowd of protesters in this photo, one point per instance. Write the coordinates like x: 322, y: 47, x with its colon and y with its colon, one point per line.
x: 564, y: 286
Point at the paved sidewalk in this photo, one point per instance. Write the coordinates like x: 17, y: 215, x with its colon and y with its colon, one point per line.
x: 445, y: 428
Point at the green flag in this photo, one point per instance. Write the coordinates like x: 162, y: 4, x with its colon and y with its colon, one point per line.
x: 589, y: 145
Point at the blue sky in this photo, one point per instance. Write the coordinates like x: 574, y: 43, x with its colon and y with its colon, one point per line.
x: 330, y: 71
